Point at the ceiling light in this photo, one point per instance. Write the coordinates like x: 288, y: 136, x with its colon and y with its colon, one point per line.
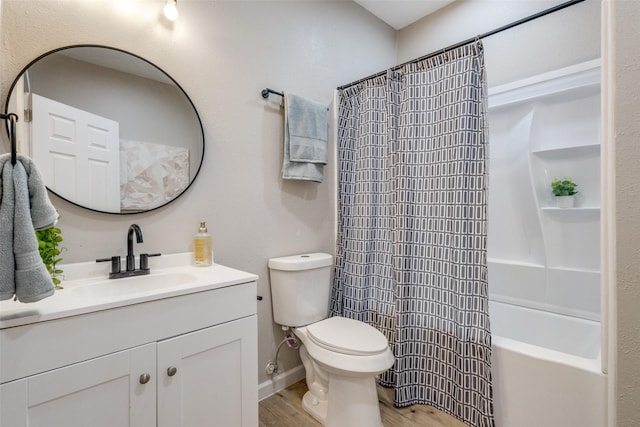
x: 171, y: 10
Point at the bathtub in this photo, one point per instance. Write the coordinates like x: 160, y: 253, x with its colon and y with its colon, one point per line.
x: 546, y: 369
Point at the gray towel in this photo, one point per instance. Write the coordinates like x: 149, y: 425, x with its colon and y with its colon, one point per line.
x: 24, y: 203
x: 7, y: 262
x: 305, y: 139
x: 43, y: 213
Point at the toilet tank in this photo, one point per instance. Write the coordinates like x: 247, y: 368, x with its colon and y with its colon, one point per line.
x: 300, y: 288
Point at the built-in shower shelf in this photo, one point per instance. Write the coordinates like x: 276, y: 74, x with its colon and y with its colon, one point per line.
x: 512, y: 262
x: 577, y: 212
x: 575, y: 150
x: 585, y: 208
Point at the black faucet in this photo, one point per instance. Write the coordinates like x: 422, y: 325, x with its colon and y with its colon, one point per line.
x: 131, y: 270
x: 131, y: 259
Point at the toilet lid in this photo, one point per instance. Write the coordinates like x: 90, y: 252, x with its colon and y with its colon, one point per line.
x: 347, y: 336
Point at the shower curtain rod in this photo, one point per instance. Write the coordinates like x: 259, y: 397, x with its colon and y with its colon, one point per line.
x: 469, y: 40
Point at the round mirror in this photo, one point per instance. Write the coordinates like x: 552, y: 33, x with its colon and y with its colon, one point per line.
x: 108, y: 130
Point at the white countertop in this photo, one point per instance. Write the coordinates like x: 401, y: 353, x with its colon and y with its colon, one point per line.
x: 76, y: 297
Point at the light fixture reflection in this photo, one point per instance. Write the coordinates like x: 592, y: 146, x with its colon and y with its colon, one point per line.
x: 171, y: 10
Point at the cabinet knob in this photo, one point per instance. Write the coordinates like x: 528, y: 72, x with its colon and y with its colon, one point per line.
x: 144, y: 378
x: 171, y: 370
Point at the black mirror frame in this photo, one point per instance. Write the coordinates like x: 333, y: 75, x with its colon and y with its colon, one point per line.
x: 15, y: 81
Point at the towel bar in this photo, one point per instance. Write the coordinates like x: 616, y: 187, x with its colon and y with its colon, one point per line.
x: 265, y: 93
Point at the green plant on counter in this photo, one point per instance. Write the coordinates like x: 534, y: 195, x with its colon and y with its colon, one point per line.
x: 49, y: 246
x: 564, y: 187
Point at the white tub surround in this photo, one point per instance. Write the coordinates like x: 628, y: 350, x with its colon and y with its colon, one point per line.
x: 544, y: 261
x: 542, y: 128
x: 182, y: 354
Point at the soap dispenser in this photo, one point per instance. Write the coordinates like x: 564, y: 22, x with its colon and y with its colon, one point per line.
x: 202, y: 247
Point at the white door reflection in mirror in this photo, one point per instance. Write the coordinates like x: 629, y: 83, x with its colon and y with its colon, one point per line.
x: 78, y: 153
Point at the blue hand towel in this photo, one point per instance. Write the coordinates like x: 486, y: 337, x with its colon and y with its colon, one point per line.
x: 24, y: 204
x: 305, y: 139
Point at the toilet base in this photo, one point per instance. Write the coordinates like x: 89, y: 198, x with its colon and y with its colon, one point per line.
x: 314, y: 407
x: 352, y: 401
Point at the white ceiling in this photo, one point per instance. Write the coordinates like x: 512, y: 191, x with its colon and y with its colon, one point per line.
x: 400, y: 13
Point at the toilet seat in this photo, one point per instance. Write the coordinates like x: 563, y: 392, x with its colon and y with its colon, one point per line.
x: 347, y: 336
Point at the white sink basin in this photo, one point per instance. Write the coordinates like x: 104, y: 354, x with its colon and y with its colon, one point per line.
x: 132, y: 285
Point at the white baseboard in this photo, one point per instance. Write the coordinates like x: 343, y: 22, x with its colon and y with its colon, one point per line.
x: 280, y: 382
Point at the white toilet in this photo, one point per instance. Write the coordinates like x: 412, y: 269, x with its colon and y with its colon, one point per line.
x: 341, y: 356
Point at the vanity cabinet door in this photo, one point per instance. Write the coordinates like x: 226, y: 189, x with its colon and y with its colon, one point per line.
x: 210, y: 377
x: 101, y: 392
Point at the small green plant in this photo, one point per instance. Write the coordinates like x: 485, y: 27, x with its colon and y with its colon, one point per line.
x: 563, y: 187
x: 48, y: 244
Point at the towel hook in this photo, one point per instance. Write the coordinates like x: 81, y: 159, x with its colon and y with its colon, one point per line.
x: 13, y: 119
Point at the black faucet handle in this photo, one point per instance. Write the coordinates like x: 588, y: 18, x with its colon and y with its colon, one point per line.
x: 115, y: 263
x: 144, y: 260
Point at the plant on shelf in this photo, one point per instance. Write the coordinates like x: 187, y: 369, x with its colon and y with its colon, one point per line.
x: 564, y: 190
x: 564, y: 187
x: 48, y: 245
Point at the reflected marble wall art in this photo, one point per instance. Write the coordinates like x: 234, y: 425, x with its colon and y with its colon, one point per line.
x: 151, y: 174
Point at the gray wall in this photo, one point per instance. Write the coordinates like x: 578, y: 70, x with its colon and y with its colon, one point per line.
x: 623, y: 124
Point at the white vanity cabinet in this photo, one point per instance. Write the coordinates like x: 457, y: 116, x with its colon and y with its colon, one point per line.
x: 185, y: 360
x: 203, y: 377
x: 100, y: 392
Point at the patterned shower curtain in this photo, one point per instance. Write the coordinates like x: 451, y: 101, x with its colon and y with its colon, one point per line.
x: 412, y: 229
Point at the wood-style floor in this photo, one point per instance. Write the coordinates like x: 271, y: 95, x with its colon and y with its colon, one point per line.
x: 284, y: 409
